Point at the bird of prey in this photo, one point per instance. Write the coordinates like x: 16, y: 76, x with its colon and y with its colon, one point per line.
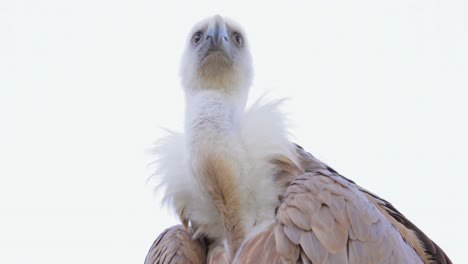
x: 246, y: 194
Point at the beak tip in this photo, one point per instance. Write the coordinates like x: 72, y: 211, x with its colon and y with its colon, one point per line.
x: 217, y: 28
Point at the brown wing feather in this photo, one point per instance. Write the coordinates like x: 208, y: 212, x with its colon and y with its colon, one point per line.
x: 261, y: 249
x: 428, y: 251
x: 338, y: 225
x: 425, y: 247
x: 218, y: 255
x: 176, y: 246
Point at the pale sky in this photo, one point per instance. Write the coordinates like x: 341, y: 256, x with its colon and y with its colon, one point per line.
x: 378, y: 90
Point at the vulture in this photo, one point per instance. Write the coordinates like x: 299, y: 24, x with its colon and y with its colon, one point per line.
x: 246, y: 194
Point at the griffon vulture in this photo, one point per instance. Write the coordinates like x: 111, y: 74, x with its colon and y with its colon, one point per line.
x: 246, y: 194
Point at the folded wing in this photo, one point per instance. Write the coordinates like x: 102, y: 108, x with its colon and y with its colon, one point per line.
x: 176, y: 246
x: 326, y: 218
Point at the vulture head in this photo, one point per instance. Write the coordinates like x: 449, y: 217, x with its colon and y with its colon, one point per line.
x: 217, y: 57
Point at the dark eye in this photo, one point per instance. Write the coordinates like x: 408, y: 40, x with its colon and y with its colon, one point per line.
x: 197, y: 37
x: 237, y: 39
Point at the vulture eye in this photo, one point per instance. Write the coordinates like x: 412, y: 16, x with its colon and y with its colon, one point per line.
x: 237, y: 39
x: 197, y: 37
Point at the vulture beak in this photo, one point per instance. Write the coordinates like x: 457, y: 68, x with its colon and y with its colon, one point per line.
x: 217, y: 33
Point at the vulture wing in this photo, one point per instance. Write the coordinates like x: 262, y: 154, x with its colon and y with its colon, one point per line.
x: 326, y: 218
x: 176, y: 246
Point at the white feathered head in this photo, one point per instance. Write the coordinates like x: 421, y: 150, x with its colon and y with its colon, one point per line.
x: 217, y: 57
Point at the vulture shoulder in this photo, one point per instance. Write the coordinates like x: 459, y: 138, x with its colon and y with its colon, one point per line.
x: 326, y: 218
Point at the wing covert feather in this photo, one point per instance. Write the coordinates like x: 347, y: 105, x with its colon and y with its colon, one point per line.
x: 176, y: 246
x: 261, y: 249
x: 373, y: 230
x: 337, y: 225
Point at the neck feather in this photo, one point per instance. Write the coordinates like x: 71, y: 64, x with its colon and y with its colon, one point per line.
x: 211, y: 127
x: 211, y: 111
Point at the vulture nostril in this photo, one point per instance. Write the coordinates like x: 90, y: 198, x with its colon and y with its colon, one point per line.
x: 225, y: 38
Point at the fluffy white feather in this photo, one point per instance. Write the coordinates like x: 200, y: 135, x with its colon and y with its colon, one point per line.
x: 220, y: 167
x: 262, y: 133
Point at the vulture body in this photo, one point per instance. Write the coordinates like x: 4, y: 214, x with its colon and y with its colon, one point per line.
x: 246, y: 194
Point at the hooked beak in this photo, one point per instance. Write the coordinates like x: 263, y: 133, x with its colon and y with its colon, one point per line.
x: 216, y: 49
x: 217, y: 32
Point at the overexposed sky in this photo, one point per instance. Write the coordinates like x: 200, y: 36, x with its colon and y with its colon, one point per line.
x: 378, y: 90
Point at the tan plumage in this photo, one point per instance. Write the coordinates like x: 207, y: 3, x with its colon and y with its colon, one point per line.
x: 246, y: 194
x: 326, y: 218
x: 175, y: 245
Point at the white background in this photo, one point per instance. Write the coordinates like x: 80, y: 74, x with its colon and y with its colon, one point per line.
x: 378, y: 89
